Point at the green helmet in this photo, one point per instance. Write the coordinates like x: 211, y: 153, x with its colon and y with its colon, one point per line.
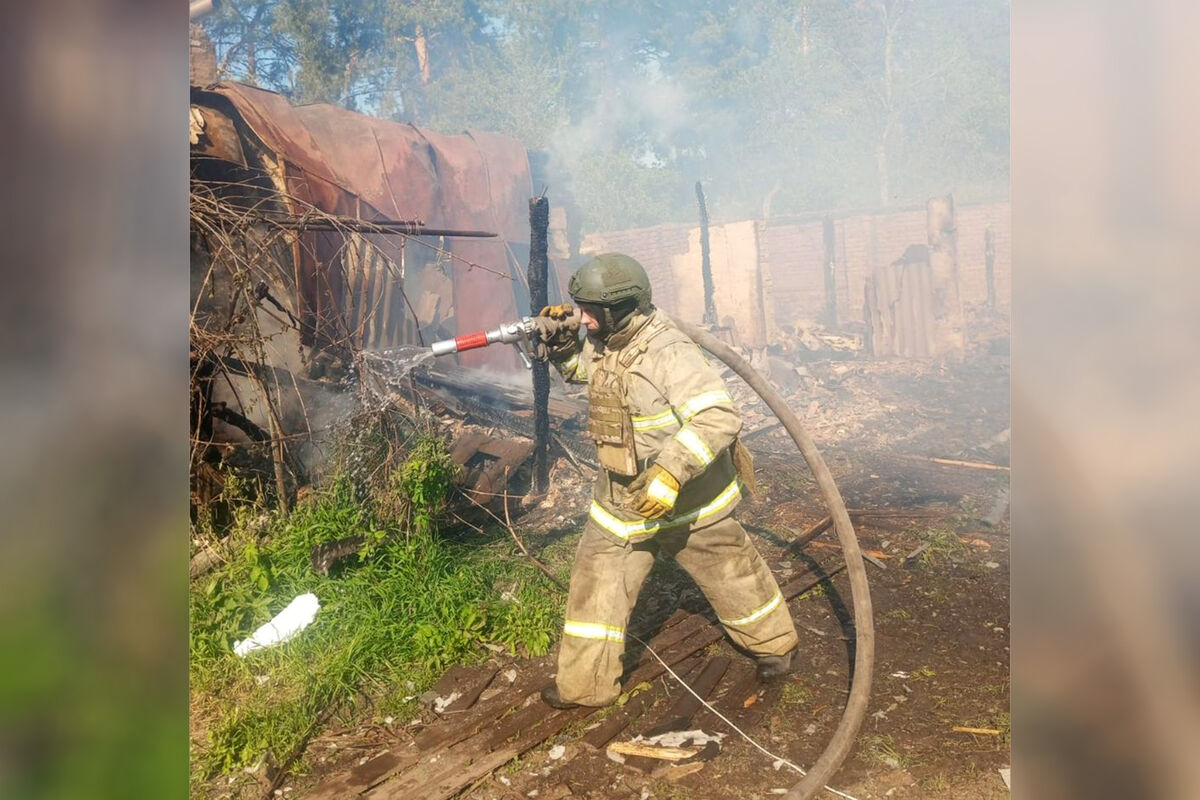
x: 609, y: 279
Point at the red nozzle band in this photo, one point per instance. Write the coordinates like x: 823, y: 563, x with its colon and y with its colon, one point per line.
x: 471, y: 341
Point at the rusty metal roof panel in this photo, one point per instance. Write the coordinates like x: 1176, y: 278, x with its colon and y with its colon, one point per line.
x: 348, y: 163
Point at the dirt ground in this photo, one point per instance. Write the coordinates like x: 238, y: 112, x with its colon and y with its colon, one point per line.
x: 941, y: 616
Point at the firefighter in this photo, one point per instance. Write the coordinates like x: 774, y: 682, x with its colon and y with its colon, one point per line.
x: 666, y: 439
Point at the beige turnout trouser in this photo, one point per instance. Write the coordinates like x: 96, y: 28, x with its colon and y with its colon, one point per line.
x: 607, y: 577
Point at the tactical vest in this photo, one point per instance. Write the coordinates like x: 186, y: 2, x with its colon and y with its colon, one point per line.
x: 610, y: 423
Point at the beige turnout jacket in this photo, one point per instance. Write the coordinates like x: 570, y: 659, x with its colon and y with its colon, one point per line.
x: 682, y: 418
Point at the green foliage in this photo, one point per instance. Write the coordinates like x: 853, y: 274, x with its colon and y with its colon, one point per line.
x: 389, y: 623
x: 425, y: 479
x: 821, y: 104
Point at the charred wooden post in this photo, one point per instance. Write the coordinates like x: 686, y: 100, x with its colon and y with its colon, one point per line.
x: 539, y: 223
x: 710, y: 308
x: 830, y: 276
x: 989, y: 255
x: 942, y: 230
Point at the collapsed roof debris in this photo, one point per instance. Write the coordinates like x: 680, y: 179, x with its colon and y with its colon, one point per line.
x: 314, y: 230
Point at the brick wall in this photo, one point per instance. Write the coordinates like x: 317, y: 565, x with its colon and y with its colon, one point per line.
x: 653, y: 248
x: 792, y: 253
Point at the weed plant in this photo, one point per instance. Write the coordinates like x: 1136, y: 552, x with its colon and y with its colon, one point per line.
x: 392, y: 618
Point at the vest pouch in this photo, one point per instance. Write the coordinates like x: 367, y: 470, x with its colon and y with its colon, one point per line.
x: 610, y: 426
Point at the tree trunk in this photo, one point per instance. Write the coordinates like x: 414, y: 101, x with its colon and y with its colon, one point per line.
x: 539, y: 222
x: 950, y: 336
x: 421, y: 43
x: 804, y: 30
x: 881, y: 150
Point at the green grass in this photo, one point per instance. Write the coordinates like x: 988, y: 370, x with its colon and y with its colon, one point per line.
x: 814, y: 593
x: 944, y: 544
x: 794, y: 694
x: 882, y: 750
x: 936, y: 783
x: 391, y: 619
x: 1003, y: 723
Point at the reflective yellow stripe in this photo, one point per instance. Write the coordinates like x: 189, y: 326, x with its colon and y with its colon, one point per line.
x: 700, y: 402
x: 593, y: 630
x: 570, y: 364
x: 652, y: 422
x: 662, y: 492
x: 696, y: 446
x: 625, y: 529
x: 760, y: 613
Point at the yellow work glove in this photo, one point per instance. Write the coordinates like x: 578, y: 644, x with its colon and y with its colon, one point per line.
x: 557, y: 312
x: 558, y: 331
x: 652, y: 494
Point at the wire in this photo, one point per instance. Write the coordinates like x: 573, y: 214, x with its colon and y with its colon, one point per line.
x: 743, y: 734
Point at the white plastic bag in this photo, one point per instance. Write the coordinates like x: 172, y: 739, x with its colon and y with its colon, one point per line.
x: 298, y: 615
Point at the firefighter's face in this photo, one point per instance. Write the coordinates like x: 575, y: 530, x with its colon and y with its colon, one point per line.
x: 590, y: 315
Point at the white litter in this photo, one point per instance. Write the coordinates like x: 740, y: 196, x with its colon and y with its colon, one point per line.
x: 695, y: 738
x: 298, y: 615
x: 1006, y: 774
x: 440, y: 703
x: 557, y: 752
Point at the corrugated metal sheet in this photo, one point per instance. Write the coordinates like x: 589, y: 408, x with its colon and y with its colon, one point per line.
x: 358, y: 166
x: 898, y: 305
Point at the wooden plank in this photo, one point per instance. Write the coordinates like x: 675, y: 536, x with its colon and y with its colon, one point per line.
x: 642, y: 629
x: 676, y: 633
x: 442, y: 775
x: 805, y: 582
x: 363, y: 776
x: 487, y: 712
x: 679, y: 715
x: 810, y: 534
x: 472, y: 691
x: 619, y: 720
x: 652, y: 668
x: 455, y: 775
x: 742, y: 684
x: 653, y: 751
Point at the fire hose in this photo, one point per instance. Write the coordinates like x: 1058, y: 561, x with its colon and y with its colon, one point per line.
x: 523, y: 332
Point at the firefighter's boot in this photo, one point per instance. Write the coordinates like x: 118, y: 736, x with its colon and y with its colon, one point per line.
x: 550, y: 697
x: 772, y: 667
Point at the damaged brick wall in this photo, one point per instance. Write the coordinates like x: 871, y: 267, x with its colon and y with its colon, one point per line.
x: 791, y: 256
